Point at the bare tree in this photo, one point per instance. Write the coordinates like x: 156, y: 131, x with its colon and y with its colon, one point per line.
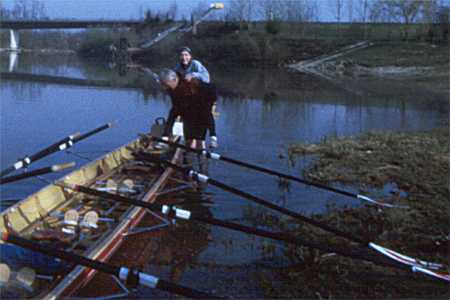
x: 404, y: 11
x: 430, y: 9
x: 443, y: 19
x: 297, y: 10
x: 28, y: 10
x: 350, y: 10
x: 362, y: 10
x: 200, y: 9
x: 37, y: 10
x: 238, y: 11
x: 5, y: 14
x: 271, y: 10
x: 172, y: 10
x: 337, y: 7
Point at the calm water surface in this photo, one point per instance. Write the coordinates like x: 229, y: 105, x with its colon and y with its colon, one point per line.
x: 261, y: 113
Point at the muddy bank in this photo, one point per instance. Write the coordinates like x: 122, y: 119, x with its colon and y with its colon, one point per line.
x: 413, y: 169
x: 423, y: 64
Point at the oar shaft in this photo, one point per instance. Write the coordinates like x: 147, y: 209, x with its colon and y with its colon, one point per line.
x: 116, y: 197
x: 58, y: 146
x: 123, y: 273
x: 261, y: 201
x: 26, y: 161
x: 285, y: 211
x: 175, y: 212
x: 42, y: 171
x: 92, y: 132
x: 70, y: 257
x: 277, y: 236
x: 61, y: 145
x: 286, y: 176
x: 257, y: 168
x: 187, y: 215
x: 7, y: 171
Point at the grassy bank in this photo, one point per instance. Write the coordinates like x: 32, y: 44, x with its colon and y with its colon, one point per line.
x: 227, y: 47
x: 252, y: 45
x: 398, y: 54
x: 418, y: 164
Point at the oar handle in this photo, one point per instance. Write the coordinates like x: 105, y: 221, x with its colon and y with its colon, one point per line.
x: 60, y: 167
x: 106, y: 195
x: 126, y: 274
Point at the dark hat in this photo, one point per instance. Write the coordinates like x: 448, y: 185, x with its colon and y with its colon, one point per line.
x: 187, y: 49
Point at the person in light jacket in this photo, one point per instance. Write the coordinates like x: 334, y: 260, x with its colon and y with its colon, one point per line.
x: 191, y: 68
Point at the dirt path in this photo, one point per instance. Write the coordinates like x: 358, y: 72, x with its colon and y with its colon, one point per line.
x: 312, y: 65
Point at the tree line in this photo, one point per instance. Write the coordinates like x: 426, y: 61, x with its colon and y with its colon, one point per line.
x: 432, y: 16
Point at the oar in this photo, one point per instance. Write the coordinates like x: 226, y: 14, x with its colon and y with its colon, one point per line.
x: 365, y: 243
x: 217, y: 156
x: 92, y: 132
x: 205, y: 179
x: 131, y: 276
x: 42, y: 171
x: 63, y: 144
x: 5, y: 274
x: 175, y: 212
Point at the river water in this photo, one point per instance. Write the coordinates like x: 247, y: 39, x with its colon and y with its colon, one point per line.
x: 262, y: 112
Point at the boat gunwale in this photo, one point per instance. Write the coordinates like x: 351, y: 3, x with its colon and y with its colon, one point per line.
x: 31, y: 197
x: 115, y: 238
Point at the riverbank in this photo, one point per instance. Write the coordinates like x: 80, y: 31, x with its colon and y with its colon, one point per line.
x: 412, y: 169
x: 396, y: 59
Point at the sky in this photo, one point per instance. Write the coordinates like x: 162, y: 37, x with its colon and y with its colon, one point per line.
x: 123, y: 9
x: 133, y: 9
x: 108, y: 9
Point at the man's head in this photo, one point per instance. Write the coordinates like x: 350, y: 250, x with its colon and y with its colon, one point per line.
x: 168, y: 78
x: 185, y: 55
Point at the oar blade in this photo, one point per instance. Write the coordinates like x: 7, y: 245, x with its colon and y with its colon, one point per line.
x: 90, y: 219
x: 5, y: 274
x: 26, y: 277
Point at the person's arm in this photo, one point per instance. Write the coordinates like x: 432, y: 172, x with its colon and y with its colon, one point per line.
x: 178, y: 68
x: 199, y: 71
x: 173, y: 114
x: 210, y: 96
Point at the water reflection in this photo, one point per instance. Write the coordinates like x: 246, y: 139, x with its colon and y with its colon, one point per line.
x: 261, y: 113
x: 12, y: 61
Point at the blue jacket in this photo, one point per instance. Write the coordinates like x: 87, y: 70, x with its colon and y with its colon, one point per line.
x: 195, y: 68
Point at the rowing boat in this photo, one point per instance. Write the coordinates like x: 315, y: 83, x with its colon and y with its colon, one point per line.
x: 117, y: 171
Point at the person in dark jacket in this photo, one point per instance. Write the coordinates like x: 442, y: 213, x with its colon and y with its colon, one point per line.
x: 193, y: 102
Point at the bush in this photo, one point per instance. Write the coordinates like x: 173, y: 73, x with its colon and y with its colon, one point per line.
x: 273, y: 26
